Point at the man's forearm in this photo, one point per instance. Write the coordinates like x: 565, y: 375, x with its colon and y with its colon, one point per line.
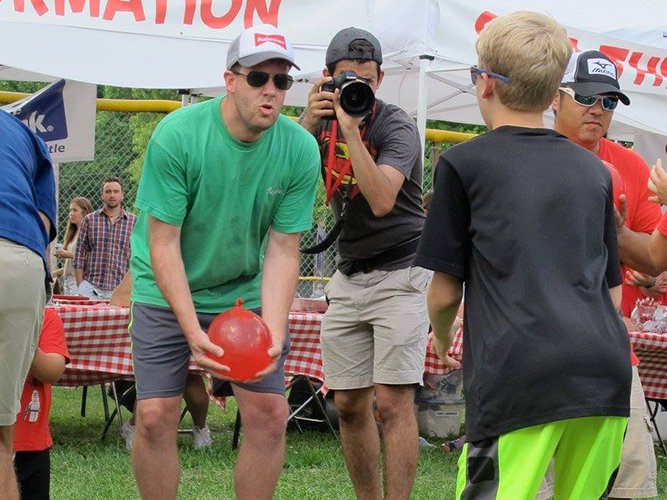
x: 78, y: 276
x: 171, y: 279
x: 374, y: 185
x: 633, y: 250
x: 279, y: 280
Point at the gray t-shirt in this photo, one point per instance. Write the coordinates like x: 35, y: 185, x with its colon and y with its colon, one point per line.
x: 391, y: 137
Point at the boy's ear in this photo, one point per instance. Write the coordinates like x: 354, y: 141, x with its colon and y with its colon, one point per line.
x: 489, y: 85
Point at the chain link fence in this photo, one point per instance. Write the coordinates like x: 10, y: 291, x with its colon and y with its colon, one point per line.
x: 121, y: 140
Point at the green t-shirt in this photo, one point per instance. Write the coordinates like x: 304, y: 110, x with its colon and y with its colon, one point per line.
x: 225, y: 195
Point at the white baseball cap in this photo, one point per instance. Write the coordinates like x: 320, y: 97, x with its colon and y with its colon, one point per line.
x: 258, y: 44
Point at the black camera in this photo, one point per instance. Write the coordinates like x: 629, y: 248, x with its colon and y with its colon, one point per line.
x: 356, y: 96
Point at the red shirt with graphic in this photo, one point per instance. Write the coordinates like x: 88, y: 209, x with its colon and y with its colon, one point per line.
x: 642, y: 215
x: 31, y: 432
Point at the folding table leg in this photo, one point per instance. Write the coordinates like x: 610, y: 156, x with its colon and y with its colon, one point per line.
x: 115, y: 413
x: 107, y: 425
x: 104, y: 402
x: 117, y: 401
x: 652, y: 414
x: 315, y: 394
x: 84, y: 393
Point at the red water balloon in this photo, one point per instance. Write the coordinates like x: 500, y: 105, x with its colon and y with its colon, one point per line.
x: 246, y: 340
x: 617, y: 183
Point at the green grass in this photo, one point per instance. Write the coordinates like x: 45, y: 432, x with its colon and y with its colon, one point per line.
x: 84, y: 468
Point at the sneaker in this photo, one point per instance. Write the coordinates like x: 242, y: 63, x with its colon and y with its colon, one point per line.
x: 202, y: 437
x: 127, y: 432
x: 425, y: 445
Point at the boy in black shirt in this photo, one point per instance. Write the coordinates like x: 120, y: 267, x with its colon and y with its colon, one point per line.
x: 525, y: 218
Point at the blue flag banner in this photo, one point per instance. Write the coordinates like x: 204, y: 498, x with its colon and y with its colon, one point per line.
x: 62, y: 114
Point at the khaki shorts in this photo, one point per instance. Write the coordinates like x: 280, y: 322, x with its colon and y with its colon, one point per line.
x: 22, y: 298
x: 376, y: 328
x: 637, y: 473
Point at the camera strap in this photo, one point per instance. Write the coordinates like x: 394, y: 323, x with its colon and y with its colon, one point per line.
x: 332, y: 186
x: 332, y: 236
x: 345, y: 169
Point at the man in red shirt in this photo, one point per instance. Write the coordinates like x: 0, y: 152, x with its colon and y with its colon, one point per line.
x: 32, y: 437
x: 584, y: 108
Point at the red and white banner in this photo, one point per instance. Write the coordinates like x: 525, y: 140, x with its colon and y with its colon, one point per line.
x: 641, y: 68
x: 200, y: 19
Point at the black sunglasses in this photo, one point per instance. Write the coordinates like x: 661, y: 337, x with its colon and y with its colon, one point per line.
x: 475, y: 72
x: 282, y: 81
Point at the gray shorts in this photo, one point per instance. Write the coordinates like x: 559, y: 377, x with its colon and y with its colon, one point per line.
x: 161, y: 354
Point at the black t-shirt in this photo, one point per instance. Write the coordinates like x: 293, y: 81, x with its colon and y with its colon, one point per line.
x: 525, y: 218
x: 391, y: 138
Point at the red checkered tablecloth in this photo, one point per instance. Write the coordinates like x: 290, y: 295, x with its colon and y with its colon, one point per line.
x: 433, y: 364
x: 72, y: 301
x: 100, y: 348
x: 651, y: 349
x: 98, y: 342
x: 305, y: 357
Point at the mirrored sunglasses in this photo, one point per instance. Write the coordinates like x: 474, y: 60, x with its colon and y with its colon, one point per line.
x: 609, y: 103
x: 257, y: 79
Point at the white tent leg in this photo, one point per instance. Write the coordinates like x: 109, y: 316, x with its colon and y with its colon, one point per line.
x: 422, y: 99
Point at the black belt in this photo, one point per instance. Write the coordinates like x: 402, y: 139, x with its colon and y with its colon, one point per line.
x: 393, y: 254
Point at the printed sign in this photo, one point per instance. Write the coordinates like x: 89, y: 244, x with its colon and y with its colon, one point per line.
x: 62, y: 115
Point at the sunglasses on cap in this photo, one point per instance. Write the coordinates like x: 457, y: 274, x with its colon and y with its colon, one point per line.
x: 609, y: 103
x: 257, y: 79
x: 475, y: 72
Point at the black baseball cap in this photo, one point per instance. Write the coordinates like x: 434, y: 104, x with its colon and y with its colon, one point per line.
x: 593, y: 73
x: 339, y: 47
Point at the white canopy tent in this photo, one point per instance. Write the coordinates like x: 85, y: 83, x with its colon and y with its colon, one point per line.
x: 428, y: 45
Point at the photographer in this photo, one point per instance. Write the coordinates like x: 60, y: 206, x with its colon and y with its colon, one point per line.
x: 374, y: 332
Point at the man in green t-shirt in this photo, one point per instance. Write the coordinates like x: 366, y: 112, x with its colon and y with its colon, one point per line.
x: 227, y: 187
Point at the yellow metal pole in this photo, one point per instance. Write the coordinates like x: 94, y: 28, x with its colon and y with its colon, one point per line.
x: 165, y: 106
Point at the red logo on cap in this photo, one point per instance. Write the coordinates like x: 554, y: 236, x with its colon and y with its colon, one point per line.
x: 277, y: 39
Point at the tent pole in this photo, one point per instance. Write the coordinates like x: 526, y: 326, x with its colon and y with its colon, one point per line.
x: 422, y: 99
x: 185, y: 97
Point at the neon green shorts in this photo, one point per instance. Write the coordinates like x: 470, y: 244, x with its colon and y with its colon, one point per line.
x: 586, y: 452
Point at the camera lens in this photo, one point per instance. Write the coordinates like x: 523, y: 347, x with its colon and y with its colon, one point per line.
x: 356, y: 98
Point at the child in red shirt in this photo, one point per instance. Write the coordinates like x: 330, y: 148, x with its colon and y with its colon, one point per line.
x: 32, y: 438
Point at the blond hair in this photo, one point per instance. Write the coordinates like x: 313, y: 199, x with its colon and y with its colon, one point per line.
x: 530, y: 49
